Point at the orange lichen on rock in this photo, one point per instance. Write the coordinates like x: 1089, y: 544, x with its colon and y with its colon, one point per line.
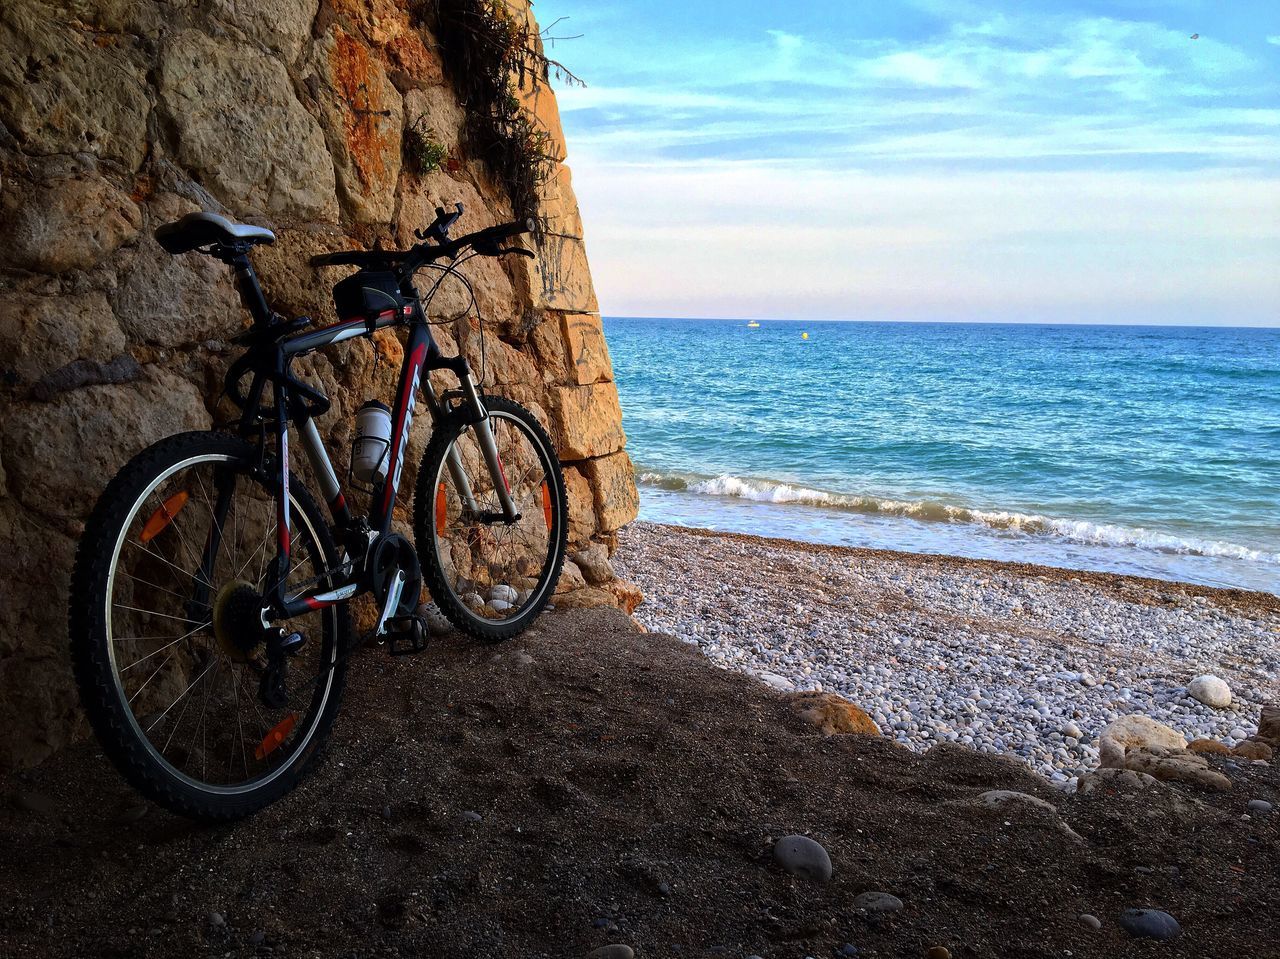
x: 834, y: 714
x: 367, y: 141
x: 410, y: 54
x: 1209, y: 747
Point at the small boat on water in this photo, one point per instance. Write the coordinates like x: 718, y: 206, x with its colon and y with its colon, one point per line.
x: 753, y: 325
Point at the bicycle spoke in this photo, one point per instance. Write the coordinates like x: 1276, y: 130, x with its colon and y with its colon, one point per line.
x: 159, y: 557
x: 157, y: 652
x: 478, y: 555
x: 149, y: 612
x: 139, y: 579
x: 181, y: 696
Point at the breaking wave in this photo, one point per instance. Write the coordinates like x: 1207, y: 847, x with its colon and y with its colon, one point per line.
x: 1075, y: 531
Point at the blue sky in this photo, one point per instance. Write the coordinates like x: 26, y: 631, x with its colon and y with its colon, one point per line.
x: 928, y: 160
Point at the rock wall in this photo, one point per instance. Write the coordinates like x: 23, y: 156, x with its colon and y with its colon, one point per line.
x: 120, y: 115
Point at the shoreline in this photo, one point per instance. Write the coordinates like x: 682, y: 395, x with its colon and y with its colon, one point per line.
x: 1246, y: 599
x: 1005, y: 657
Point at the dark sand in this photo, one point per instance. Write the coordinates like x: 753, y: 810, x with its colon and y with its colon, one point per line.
x: 630, y: 792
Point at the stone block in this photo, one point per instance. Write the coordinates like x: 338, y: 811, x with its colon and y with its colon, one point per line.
x: 585, y: 347
x: 41, y: 334
x: 62, y: 92
x: 245, y: 135
x: 60, y: 455
x: 281, y: 25
x: 559, y: 278
x: 68, y: 223
x: 588, y: 420
x: 613, y: 482
x: 582, y: 506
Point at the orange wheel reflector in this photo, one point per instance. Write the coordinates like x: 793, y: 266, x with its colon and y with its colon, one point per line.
x: 163, y: 516
x: 442, y: 510
x: 274, y: 738
x: 546, y: 503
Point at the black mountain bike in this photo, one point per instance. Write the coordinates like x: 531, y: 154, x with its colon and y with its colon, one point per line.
x: 209, y: 625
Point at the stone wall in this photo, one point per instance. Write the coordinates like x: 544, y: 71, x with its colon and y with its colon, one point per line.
x: 120, y: 115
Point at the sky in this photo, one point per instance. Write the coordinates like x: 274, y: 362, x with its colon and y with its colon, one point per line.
x: 925, y: 160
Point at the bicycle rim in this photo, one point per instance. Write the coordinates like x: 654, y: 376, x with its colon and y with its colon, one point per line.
x: 188, y: 681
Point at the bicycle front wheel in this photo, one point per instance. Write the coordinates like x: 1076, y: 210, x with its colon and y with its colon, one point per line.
x: 491, y: 578
x: 166, y: 636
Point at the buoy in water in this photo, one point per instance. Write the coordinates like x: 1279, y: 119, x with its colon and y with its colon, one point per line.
x: 804, y: 336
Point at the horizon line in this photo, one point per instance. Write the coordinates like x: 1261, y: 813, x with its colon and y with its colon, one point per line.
x: 953, y: 322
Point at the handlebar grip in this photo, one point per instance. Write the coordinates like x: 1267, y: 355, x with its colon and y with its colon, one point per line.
x: 506, y: 230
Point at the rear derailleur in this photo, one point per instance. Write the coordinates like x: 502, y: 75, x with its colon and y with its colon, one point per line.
x: 273, y: 687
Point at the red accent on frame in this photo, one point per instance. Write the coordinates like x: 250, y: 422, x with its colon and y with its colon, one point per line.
x: 350, y: 321
x: 313, y: 603
x: 282, y: 517
x: 398, y: 441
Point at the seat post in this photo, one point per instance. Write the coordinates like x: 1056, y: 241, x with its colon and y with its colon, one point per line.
x: 248, y: 287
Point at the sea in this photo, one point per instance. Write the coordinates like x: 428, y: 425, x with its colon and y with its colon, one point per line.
x: 1133, y: 449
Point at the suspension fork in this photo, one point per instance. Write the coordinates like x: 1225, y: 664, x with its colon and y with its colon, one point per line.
x: 488, y: 447
x: 453, y: 459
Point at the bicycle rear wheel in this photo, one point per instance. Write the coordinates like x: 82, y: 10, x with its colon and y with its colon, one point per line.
x: 166, y: 636
x: 491, y: 578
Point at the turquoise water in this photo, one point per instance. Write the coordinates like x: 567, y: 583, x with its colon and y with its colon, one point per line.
x: 1147, y: 450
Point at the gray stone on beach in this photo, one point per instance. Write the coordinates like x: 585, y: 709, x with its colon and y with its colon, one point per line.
x: 503, y: 593
x: 803, y: 857
x: 916, y: 670
x: 879, y: 902
x: 614, y: 950
x: 1001, y: 798
x: 1150, y: 924
x: 1210, y: 690
x: 1090, y: 922
x: 777, y: 682
x: 1259, y: 806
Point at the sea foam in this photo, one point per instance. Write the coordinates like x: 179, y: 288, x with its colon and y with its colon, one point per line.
x: 1069, y: 530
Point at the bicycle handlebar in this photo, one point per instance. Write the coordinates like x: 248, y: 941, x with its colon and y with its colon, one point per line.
x: 485, y: 242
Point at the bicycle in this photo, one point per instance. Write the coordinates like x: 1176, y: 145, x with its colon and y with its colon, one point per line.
x: 209, y: 622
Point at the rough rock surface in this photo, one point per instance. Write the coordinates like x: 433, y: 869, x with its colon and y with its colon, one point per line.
x: 1135, y: 732
x: 117, y: 117
x: 834, y: 714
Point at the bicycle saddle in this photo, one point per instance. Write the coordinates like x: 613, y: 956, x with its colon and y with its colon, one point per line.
x: 207, y: 229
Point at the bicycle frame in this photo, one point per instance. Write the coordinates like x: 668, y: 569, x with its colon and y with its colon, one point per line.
x: 296, y: 402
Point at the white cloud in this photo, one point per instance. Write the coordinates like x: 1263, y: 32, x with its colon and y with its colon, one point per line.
x: 780, y: 240
x: 923, y: 70
x: 1013, y: 166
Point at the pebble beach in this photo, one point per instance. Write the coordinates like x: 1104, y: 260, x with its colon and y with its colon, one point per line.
x: 1006, y: 658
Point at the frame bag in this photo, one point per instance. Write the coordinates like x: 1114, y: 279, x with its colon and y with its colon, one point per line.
x: 368, y: 294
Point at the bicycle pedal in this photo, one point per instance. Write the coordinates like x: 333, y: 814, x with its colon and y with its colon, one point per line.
x: 406, y: 635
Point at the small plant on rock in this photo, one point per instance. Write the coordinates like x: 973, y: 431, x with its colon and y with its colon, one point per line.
x: 425, y: 153
x: 493, y: 56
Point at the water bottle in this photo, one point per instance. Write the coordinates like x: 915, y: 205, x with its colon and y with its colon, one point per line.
x: 373, y: 441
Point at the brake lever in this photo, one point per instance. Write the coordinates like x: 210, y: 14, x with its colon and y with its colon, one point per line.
x: 492, y: 249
